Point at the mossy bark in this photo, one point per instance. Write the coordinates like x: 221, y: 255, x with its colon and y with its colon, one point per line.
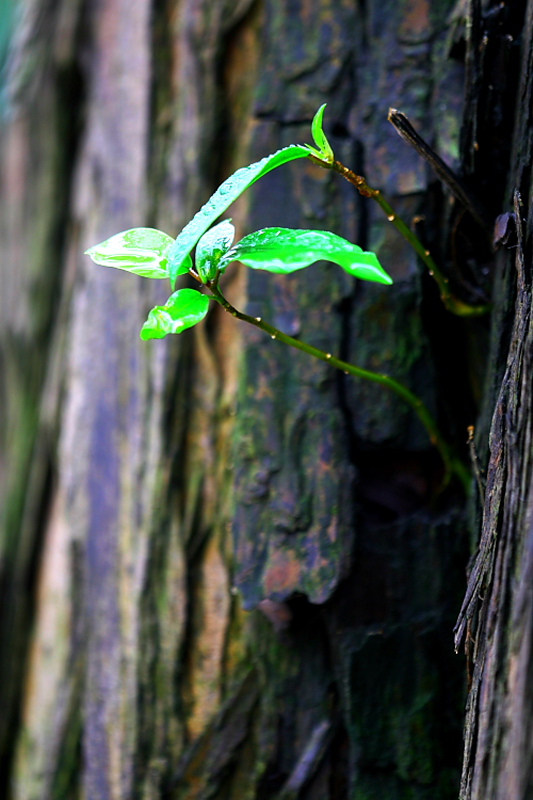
x: 228, y: 571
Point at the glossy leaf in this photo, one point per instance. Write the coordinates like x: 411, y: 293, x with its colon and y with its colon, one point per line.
x: 285, y: 250
x: 224, y: 196
x: 182, y: 310
x: 142, y: 251
x: 211, y: 247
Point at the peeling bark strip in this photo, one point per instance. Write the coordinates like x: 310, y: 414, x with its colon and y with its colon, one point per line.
x: 505, y: 445
x: 494, y: 613
x: 497, y: 613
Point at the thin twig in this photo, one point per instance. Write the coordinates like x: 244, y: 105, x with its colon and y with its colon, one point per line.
x: 452, y: 464
x: 405, y: 129
x: 308, y: 761
x: 452, y: 303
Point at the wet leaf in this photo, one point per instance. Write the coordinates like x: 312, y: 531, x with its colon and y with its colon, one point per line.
x: 182, y: 310
x: 211, y: 247
x: 224, y: 196
x: 285, y: 250
x: 142, y: 251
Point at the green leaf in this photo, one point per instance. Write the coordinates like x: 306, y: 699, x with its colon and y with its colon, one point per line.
x: 224, y: 196
x: 142, y: 251
x: 285, y: 250
x: 182, y: 310
x: 211, y: 247
x: 319, y: 136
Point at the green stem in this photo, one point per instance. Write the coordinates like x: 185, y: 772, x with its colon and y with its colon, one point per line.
x: 452, y: 303
x: 453, y: 465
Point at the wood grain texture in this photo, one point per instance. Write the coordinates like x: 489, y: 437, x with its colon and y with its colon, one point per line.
x: 495, y: 620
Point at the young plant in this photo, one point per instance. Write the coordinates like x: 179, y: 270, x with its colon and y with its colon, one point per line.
x: 154, y: 254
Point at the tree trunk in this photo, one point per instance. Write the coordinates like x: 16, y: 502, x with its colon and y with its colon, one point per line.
x: 496, y: 619
x: 228, y: 571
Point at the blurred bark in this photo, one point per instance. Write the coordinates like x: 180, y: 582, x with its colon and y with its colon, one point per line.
x: 227, y: 571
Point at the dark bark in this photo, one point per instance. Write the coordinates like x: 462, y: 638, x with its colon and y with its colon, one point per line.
x: 228, y: 571
x: 497, y: 615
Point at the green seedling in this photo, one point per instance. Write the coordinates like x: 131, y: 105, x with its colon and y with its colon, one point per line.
x: 154, y: 254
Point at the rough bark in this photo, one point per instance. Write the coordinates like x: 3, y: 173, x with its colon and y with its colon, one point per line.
x: 497, y: 615
x: 227, y: 571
